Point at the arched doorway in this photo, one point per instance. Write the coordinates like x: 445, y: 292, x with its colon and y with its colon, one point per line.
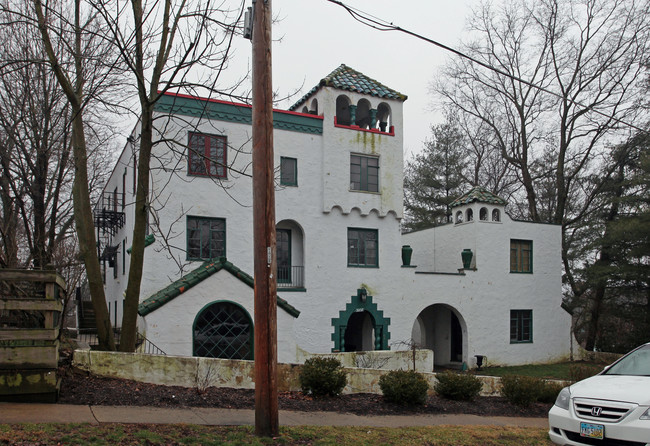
x: 223, y: 330
x: 361, y: 326
x: 360, y: 332
x: 441, y: 328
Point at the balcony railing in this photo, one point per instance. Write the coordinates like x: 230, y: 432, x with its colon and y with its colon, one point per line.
x: 291, y: 277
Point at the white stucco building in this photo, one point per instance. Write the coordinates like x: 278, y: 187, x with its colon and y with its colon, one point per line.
x: 342, y: 284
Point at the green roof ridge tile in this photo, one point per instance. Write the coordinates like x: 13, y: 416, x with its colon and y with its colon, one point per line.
x: 196, y: 276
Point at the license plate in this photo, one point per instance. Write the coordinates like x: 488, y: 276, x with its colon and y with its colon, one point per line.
x: 589, y: 430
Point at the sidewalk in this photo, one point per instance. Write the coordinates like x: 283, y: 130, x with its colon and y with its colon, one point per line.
x: 13, y: 413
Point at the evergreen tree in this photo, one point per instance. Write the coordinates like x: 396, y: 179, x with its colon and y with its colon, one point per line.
x: 434, y: 178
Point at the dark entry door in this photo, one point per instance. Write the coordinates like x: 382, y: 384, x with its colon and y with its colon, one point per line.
x: 456, y: 339
x: 283, y: 252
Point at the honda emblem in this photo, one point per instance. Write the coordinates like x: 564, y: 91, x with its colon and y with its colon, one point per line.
x: 596, y: 411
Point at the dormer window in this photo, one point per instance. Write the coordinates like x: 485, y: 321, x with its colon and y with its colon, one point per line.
x: 470, y: 215
x: 496, y: 215
x: 483, y: 214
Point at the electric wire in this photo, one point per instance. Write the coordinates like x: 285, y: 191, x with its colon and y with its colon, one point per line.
x: 383, y: 25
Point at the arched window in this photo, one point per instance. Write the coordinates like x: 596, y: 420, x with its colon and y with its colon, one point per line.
x: 305, y: 109
x: 314, y: 107
x: 223, y: 330
x: 363, y: 114
x: 470, y: 215
x: 343, y: 110
x: 383, y: 117
x: 483, y: 214
x: 459, y: 217
x: 496, y: 215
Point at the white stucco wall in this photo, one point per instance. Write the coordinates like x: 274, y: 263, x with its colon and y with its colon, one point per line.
x: 319, y: 212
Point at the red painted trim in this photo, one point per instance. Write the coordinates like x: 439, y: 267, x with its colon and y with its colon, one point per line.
x: 356, y: 127
x: 238, y: 104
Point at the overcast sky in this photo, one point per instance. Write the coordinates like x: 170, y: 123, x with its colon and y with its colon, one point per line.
x: 313, y: 37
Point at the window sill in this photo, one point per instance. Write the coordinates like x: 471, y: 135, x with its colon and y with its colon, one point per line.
x: 521, y: 342
x: 363, y: 266
x: 365, y: 191
x: 521, y: 272
x: 292, y: 290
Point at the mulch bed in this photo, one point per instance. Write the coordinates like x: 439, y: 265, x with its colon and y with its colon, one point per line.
x: 79, y: 387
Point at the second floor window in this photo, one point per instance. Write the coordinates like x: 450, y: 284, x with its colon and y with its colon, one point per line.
x: 363, y: 247
x: 207, y: 155
x: 364, y: 173
x: 206, y: 238
x: 288, y: 171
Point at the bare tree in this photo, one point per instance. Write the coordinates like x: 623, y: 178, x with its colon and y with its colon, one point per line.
x: 82, y: 60
x: 571, y: 86
x: 166, y: 45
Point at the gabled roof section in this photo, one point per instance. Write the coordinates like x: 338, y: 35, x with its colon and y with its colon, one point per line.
x: 480, y: 195
x: 349, y: 79
x: 207, y: 269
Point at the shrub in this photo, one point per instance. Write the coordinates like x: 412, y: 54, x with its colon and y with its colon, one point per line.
x: 322, y: 376
x: 458, y: 386
x: 550, y: 391
x: 404, y: 387
x: 578, y: 372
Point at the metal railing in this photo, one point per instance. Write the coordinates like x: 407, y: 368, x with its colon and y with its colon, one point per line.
x: 142, y: 344
x: 291, y: 277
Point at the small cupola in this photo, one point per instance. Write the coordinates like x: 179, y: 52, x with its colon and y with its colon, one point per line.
x: 479, y: 204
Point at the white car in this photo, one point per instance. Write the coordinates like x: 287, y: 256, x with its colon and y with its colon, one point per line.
x: 609, y: 409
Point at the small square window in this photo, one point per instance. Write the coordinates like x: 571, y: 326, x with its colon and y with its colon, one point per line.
x: 207, y: 155
x: 288, y: 171
x: 363, y: 247
x: 364, y: 173
x: 206, y: 238
x: 521, y: 326
x: 521, y: 256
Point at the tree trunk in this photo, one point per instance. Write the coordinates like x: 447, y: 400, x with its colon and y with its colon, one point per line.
x: 132, y: 299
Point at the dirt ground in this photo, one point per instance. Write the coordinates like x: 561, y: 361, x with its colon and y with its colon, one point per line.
x: 79, y: 387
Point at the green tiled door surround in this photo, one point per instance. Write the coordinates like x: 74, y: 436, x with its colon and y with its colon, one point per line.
x: 361, y: 302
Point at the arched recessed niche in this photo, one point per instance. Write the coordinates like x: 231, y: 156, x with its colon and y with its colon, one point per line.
x: 343, y: 110
x: 459, y: 217
x: 483, y: 214
x: 384, y: 121
x: 363, y: 114
x: 469, y: 215
x: 496, y: 215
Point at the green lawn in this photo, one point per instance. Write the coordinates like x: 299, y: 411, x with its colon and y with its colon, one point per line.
x: 570, y: 371
x: 129, y: 434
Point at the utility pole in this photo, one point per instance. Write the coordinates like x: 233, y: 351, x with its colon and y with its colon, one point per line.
x: 266, y: 352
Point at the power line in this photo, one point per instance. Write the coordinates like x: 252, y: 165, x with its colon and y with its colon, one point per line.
x: 383, y: 25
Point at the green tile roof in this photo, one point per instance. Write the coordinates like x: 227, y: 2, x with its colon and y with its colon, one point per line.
x: 349, y: 79
x: 480, y: 195
x: 195, y: 277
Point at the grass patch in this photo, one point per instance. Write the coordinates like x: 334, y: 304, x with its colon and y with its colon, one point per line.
x: 569, y: 371
x: 128, y: 434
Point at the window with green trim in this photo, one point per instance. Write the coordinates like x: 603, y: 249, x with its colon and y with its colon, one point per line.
x: 364, y: 173
x: 363, y: 247
x: 521, y: 256
x: 223, y: 330
x: 288, y: 171
x: 206, y: 238
x: 521, y: 326
x: 207, y: 155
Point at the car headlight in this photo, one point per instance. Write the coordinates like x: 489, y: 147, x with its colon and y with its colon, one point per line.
x: 645, y: 415
x: 562, y: 400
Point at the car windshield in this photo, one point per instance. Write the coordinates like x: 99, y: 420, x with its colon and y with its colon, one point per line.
x: 636, y: 363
